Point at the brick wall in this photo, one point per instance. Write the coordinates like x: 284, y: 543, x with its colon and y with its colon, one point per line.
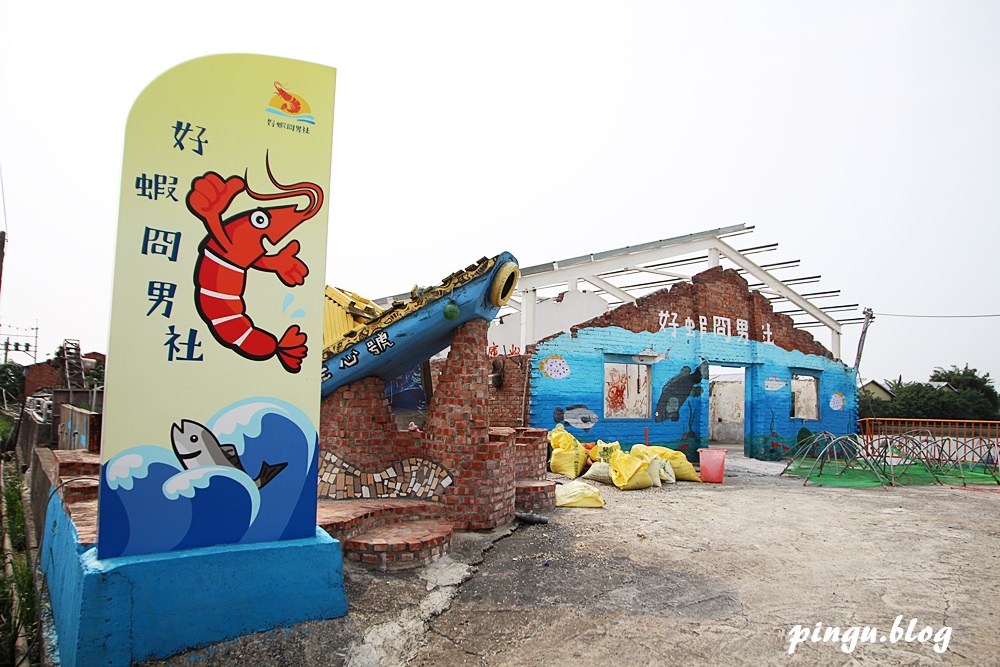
x: 41, y: 376
x: 508, y: 403
x: 357, y: 425
x: 714, y: 292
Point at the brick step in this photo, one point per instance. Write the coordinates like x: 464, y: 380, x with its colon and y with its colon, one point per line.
x: 77, y: 463
x: 532, y: 436
x: 344, y: 519
x: 400, y: 545
x: 531, y: 495
x: 78, y: 489
x: 500, y: 433
x: 84, y: 516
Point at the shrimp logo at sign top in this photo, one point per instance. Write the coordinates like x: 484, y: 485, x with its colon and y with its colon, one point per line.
x: 289, y: 105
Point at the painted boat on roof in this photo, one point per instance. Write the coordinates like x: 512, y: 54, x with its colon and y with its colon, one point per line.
x: 407, y: 334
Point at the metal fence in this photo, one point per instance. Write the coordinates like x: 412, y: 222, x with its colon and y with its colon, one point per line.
x: 969, y: 442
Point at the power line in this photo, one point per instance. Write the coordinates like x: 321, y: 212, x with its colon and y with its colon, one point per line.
x: 935, y: 316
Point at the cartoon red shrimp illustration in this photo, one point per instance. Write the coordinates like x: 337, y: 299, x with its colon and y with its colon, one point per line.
x: 235, y: 245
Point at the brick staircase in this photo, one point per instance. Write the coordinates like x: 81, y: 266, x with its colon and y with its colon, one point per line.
x: 534, y: 495
x: 382, y: 533
x: 386, y: 533
x: 532, y: 492
x: 79, y: 474
x: 74, y: 474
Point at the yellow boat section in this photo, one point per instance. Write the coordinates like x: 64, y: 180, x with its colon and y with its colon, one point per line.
x: 345, y: 311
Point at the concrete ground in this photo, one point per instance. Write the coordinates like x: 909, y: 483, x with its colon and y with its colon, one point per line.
x: 754, y: 571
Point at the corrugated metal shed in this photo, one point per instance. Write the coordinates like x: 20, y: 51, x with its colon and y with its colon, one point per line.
x: 343, y: 311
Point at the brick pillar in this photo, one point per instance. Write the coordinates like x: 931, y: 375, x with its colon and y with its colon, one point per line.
x: 532, y: 453
x: 457, y: 435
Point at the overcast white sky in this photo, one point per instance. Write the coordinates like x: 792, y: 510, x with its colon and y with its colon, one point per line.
x: 862, y: 137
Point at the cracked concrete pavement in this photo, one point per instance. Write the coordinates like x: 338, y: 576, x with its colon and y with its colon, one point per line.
x: 692, y: 574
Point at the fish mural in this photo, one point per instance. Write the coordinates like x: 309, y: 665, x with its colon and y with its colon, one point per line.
x: 649, y: 355
x: 196, y: 446
x: 577, y: 416
x: 774, y: 383
x: 677, y: 390
x: 554, y: 366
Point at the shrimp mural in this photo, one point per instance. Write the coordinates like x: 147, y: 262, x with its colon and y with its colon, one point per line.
x: 236, y: 245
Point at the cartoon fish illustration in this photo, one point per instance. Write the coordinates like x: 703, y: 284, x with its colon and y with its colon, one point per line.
x: 774, y: 383
x: 649, y: 355
x: 579, y: 416
x: 554, y: 366
x: 196, y: 446
x: 677, y: 390
x: 237, y: 244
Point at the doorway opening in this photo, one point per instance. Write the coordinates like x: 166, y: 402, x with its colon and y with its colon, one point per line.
x: 726, y: 406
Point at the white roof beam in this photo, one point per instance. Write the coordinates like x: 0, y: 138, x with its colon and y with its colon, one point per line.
x: 773, y: 283
x: 610, y: 289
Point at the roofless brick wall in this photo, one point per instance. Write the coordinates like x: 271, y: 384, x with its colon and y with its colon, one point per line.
x: 715, y: 292
x: 508, y: 403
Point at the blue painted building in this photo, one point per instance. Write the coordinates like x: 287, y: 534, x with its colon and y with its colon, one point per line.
x: 640, y: 373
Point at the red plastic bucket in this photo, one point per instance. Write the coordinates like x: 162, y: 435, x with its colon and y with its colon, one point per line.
x: 713, y: 464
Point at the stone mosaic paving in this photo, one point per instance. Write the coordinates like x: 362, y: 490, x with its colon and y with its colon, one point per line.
x: 409, y: 478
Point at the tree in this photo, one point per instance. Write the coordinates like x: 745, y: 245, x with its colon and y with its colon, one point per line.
x: 969, y: 379
x: 974, y: 398
x: 895, y: 385
x: 95, y: 376
x: 12, y: 378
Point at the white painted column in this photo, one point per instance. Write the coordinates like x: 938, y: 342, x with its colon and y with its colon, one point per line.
x: 528, y: 300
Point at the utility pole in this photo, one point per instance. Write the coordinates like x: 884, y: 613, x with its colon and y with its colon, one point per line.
x: 869, y: 317
x: 3, y: 245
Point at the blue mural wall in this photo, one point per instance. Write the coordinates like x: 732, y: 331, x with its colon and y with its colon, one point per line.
x: 576, y: 381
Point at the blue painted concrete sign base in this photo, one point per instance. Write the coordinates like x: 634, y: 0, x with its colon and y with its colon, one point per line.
x: 120, y: 611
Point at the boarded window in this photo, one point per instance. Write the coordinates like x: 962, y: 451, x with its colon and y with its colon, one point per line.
x: 626, y: 391
x: 805, y: 397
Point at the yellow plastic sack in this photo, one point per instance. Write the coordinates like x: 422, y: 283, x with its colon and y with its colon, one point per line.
x: 656, y: 455
x: 602, y: 451
x: 683, y: 470
x: 644, y: 452
x: 560, y: 438
x: 599, y: 471
x: 569, y: 457
x: 578, y: 494
x: 667, y: 474
x: 629, y: 472
x: 655, y: 465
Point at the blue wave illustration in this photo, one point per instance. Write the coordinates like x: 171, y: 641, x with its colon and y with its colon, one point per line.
x: 308, y: 118
x: 151, y: 504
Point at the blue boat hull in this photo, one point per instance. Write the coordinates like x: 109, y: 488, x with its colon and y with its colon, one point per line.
x: 408, y: 334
